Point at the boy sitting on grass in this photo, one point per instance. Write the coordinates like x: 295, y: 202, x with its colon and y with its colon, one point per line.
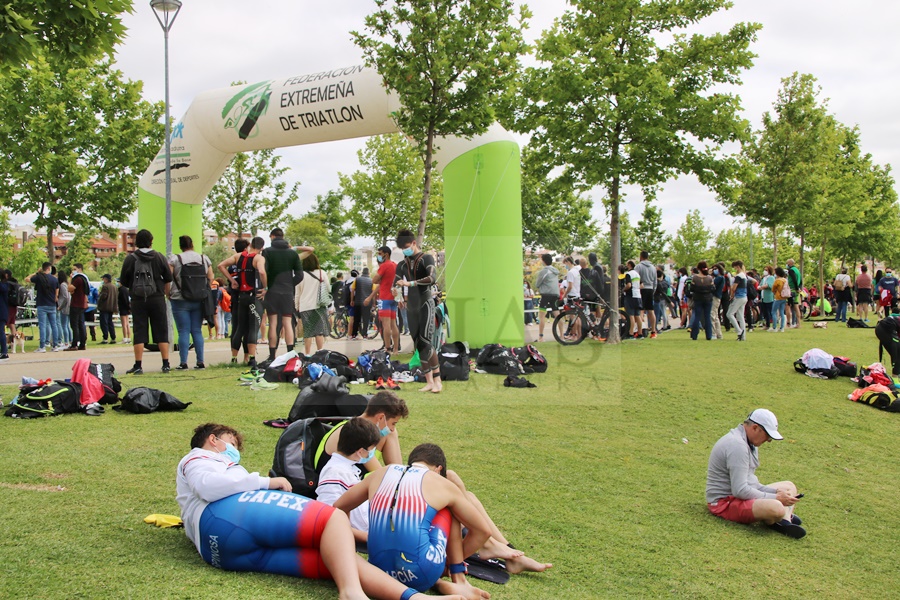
x: 357, y: 443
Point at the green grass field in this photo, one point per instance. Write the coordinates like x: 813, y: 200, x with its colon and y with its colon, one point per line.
x: 589, y: 471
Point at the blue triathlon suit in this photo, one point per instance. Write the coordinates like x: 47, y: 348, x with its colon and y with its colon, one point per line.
x: 267, y: 531
x: 407, y: 537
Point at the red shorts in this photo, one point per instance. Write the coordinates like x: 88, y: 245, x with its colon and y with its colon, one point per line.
x: 734, y: 509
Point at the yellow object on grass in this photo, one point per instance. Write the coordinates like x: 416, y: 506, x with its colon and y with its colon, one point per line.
x: 164, y: 520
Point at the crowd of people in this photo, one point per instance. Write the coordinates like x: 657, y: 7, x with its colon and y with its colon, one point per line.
x: 712, y: 298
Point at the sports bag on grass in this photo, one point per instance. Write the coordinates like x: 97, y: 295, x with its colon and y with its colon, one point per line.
x: 297, y: 452
x: 453, y: 359
x: 142, y: 400
x: 57, y: 398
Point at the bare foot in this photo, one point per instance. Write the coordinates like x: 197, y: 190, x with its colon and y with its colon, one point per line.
x: 466, y: 590
x: 436, y: 389
x: 421, y: 596
x: 494, y: 549
x: 524, y: 563
x: 428, y: 388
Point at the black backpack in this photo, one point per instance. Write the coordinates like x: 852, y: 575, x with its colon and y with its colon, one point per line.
x: 12, y: 297
x: 379, y: 365
x: 322, y: 399
x: 532, y: 360
x: 498, y: 360
x: 297, y: 451
x: 57, y: 398
x: 106, y: 373
x: 193, y: 284
x: 856, y: 323
x: 453, y: 359
x: 144, y: 284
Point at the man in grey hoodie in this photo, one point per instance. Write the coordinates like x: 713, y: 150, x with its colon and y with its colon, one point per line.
x: 547, y: 285
x: 647, y: 271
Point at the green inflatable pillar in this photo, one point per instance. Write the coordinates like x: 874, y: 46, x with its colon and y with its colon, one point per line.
x: 483, y: 239
x: 187, y: 219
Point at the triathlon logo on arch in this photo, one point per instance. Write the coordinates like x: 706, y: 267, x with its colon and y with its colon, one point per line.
x: 242, y: 112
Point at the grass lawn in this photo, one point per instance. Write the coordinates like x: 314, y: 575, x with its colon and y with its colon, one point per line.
x: 600, y: 470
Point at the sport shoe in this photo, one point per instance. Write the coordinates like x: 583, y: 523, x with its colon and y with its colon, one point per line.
x: 135, y: 371
x: 653, y: 336
x: 58, y: 348
x: 391, y: 384
x: 379, y: 385
x: 787, y: 528
x: 4, y: 356
x: 249, y: 376
x: 263, y: 385
x: 165, y: 369
x: 200, y: 365
x: 182, y: 367
x: 40, y: 350
x: 796, y: 520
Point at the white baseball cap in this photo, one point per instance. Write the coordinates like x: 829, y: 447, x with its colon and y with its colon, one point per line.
x: 766, y: 419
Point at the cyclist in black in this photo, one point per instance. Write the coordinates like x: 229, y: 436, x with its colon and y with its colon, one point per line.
x: 417, y: 272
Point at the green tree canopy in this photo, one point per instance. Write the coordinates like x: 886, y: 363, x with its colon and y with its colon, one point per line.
x: 28, y: 260
x: 691, y: 242
x: 72, y: 31
x: 250, y: 196
x: 741, y: 243
x: 74, y: 141
x: 649, y: 233
x: 612, y: 105
x: 447, y: 60
x: 311, y: 230
x: 628, y: 239
x: 554, y: 214
x: 384, y: 195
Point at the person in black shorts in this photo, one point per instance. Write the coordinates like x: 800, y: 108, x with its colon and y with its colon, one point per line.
x: 246, y: 270
x: 417, y: 272
x: 150, y: 310
x: 284, y: 272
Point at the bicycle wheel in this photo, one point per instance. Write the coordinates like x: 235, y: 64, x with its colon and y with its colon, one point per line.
x: 805, y: 310
x: 570, y: 327
x: 374, y: 330
x: 339, y: 329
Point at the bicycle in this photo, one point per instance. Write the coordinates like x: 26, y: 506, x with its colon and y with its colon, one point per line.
x: 339, y: 323
x: 579, y: 316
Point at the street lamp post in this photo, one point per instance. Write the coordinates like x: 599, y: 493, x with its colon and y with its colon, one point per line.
x: 166, y: 11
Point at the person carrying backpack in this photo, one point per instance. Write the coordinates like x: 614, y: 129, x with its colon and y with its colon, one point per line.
x: 146, y: 273
x: 191, y: 275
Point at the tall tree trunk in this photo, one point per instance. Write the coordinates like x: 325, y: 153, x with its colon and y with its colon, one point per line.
x: 51, y: 250
x: 802, y: 244
x: 615, y: 260
x: 426, y: 191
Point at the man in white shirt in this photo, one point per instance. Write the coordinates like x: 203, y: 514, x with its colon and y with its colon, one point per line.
x: 633, y: 303
x: 573, y: 278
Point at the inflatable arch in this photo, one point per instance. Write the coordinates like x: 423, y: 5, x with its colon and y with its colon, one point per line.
x: 482, y: 176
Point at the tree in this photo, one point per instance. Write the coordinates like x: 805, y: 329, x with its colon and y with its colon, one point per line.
x: 78, y: 250
x: 69, y: 30
x: 691, y: 242
x: 217, y: 253
x: 335, y: 216
x: 783, y: 165
x: 75, y: 141
x: 250, y: 196
x: 649, y: 232
x: 628, y: 242
x: 612, y: 106
x: 384, y: 195
x: 28, y: 260
x: 447, y: 60
x: 554, y: 214
x: 112, y: 264
x: 873, y: 233
x: 741, y: 243
x: 311, y: 230
x: 7, y: 241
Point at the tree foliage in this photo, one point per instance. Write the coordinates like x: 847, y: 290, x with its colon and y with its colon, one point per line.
x: 746, y: 244
x: 691, y: 242
x: 650, y: 234
x: 384, y: 195
x: 628, y: 241
x: 28, y: 260
x: 311, y: 230
x: 75, y: 141
x: 554, y: 214
x: 7, y: 240
x: 447, y: 60
x: 78, y: 250
x: 250, y: 196
x: 784, y: 164
x: 613, y: 106
x: 217, y: 253
x: 72, y: 31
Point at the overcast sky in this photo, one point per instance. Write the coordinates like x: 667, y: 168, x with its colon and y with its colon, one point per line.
x: 852, y: 48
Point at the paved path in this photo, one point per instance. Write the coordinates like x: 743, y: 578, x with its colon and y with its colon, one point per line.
x: 58, y: 365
